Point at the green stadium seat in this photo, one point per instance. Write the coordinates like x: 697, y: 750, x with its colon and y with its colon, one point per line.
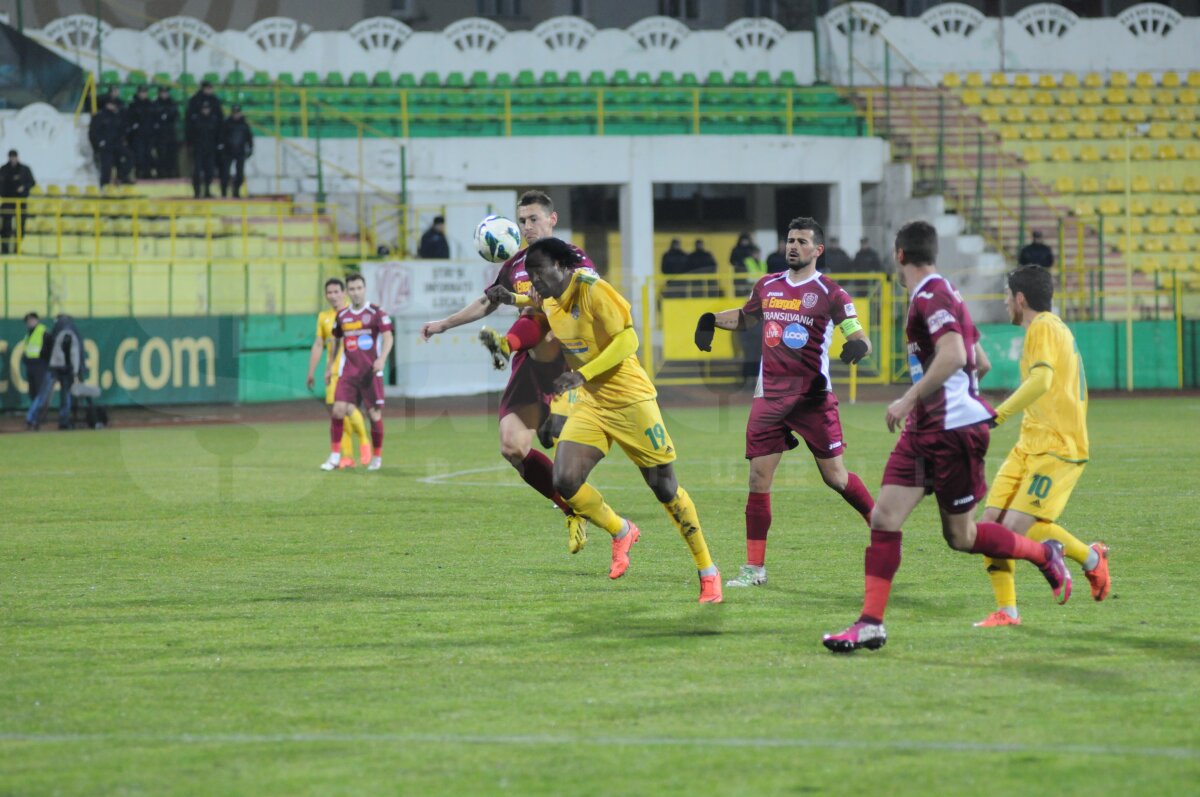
x: 550, y: 78
x: 110, y: 77
x: 211, y: 77
x: 762, y: 79
x: 786, y: 78
x: 573, y: 79
x: 358, y: 80
x: 596, y: 78
x: 455, y: 80
x: 285, y: 79
x: 479, y: 80
x: 503, y: 80
x: 382, y: 80
x: 620, y: 78
x: 430, y: 80
x: 689, y: 80
x: 310, y: 79
x: 235, y: 78
x: 335, y: 79
x: 642, y: 79
x: 525, y: 79
x: 260, y: 79
x: 739, y: 79
x: 667, y: 80
x: 162, y: 79
x: 714, y: 79
x: 136, y: 77
x: 406, y: 80
x: 187, y: 82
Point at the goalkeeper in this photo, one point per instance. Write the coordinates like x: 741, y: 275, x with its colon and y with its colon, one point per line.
x: 797, y: 310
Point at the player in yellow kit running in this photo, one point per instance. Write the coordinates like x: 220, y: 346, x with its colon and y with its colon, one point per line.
x: 1033, y: 485
x: 617, y: 403
x: 335, y: 294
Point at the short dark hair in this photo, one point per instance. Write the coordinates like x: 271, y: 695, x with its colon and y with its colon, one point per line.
x: 355, y: 278
x: 12, y: 153
x: 439, y: 219
x: 809, y: 223
x: 919, y: 241
x: 206, y: 84
x: 32, y: 315
x: 1036, y: 283
x: 536, y: 197
x: 555, y: 250
x: 334, y: 281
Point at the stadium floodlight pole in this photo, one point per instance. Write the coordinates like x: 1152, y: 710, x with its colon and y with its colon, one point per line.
x: 1128, y: 260
x: 99, y: 44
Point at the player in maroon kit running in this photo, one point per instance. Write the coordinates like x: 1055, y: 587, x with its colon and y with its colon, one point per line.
x: 942, y: 446
x: 798, y: 309
x: 537, y: 361
x: 366, y: 333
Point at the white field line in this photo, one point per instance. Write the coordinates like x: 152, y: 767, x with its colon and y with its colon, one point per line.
x: 546, y: 740
x: 452, y: 479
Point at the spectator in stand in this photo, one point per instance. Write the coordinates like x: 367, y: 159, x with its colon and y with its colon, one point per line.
x: 837, y: 261
x: 107, y: 136
x: 35, y: 354
x: 66, y: 365
x: 1036, y: 253
x: 740, y: 250
x: 674, y: 260
x: 866, y: 259
x: 753, y: 265
x: 701, y: 261
x: 205, y: 131
x: 777, y: 260
x: 237, y: 144
x: 139, y: 129
x: 113, y: 95
x: 16, y: 181
x: 434, y: 245
x: 165, y: 135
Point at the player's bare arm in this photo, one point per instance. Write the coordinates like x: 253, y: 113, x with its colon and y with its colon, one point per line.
x: 472, y: 312
x: 950, y: 355
x: 982, y: 363
x: 385, y: 348
x: 314, y: 355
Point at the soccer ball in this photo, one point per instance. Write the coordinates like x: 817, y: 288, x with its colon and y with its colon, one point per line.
x: 497, y: 239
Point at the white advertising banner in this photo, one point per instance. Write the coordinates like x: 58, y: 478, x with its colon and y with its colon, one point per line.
x: 413, y: 292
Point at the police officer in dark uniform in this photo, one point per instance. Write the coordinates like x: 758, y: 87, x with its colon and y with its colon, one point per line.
x: 107, y: 136
x: 237, y: 144
x: 203, y: 128
x: 164, y: 134
x: 16, y: 180
x: 139, y: 128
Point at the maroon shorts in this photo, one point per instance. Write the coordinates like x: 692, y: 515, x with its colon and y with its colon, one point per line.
x: 772, y: 420
x: 530, y: 383
x: 365, y: 389
x: 947, y: 463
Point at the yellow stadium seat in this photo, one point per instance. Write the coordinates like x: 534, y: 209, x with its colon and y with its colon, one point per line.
x: 1153, y: 244
x: 1093, y: 80
x: 1043, y: 98
x: 1193, y: 80
x: 1085, y: 209
x: 1164, y: 97
x: 1166, y: 152
x: 88, y: 190
x: 1091, y: 97
x: 1192, y: 152
x: 1170, y: 80
x: 1137, y: 207
x: 1114, y: 154
x: 1034, y: 132
x: 1188, y: 96
x: 1109, y: 206
x: 1184, y: 226
x: 1191, y: 184
x: 951, y: 80
x: 1158, y: 131
x: 1165, y: 184
x: 1069, y: 81
x: 1062, y: 116
x: 974, y: 80
x: 1117, y: 97
x: 1087, y: 114
x: 1140, y: 97
x: 1084, y: 131
x: 1181, y: 130
x: 1060, y: 154
x: 1186, y: 208
x: 990, y: 115
x: 1022, y: 81
x: 1059, y: 133
x: 972, y: 97
x: 1113, y: 224
x: 1045, y: 82
x: 1177, y: 262
x: 1010, y: 132
x: 1148, y: 265
x: 1178, y: 244
x: 1067, y: 97
x: 998, y: 80
x: 1160, y: 206
x: 1140, y: 184
x: 1110, y: 131
x: 1019, y: 97
x: 1143, y: 80
x: 1160, y: 113
x: 1089, y: 154
x: 1141, y: 152
x: 1014, y: 115
x: 1157, y: 226
x: 1032, y: 154
x: 1089, y: 185
x: 1039, y: 116
x: 1184, y: 113
x: 1136, y: 226
x: 996, y: 97
x: 1064, y: 184
x: 1111, y: 113
x: 1114, y: 185
x: 1136, y: 114
x: 1118, y: 79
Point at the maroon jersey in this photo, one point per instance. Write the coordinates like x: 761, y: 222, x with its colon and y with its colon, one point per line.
x: 797, y: 327
x: 515, y: 278
x: 935, y: 309
x: 361, y: 331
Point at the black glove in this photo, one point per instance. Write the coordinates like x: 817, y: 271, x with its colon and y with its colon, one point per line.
x: 704, y: 331
x: 854, y: 350
x: 991, y: 422
x: 548, y: 433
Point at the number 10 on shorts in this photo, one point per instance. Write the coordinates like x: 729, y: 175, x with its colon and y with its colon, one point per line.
x: 1040, y: 486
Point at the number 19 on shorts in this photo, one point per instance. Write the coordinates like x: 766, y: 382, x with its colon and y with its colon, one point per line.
x: 657, y: 435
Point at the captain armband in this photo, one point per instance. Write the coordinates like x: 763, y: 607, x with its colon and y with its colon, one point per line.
x: 850, y: 326
x: 521, y: 300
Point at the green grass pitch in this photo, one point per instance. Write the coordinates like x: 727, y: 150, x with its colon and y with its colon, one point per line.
x: 200, y: 611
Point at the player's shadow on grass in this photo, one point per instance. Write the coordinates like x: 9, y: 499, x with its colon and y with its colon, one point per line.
x: 641, y: 622
x: 1098, y: 642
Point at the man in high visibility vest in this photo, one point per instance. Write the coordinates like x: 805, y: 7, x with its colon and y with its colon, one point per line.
x: 35, y: 363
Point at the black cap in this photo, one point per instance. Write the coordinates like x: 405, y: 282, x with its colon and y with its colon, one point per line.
x: 439, y: 220
x: 12, y: 153
x: 206, y: 85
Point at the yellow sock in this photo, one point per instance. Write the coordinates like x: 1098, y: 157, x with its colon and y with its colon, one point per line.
x: 1000, y: 571
x: 347, y: 446
x: 683, y: 514
x: 589, y: 503
x: 1072, y: 547
x: 355, y: 419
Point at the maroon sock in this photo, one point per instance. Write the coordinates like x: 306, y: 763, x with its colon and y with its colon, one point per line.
x: 881, y: 563
x: 336, y: 425
x: 377, y: 437
x: 858, y: 496
x: 538, y: 472
x: 992, y: 539
x: 758, y: 523
x: 525, y: 333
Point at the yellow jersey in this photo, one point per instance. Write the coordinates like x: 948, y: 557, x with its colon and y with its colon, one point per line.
x: 1056, y: 423
x: 325, y: 321
x: 585, y: 319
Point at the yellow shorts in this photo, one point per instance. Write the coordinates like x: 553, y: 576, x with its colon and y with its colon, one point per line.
x: 1036, y: 484
x: 330, y: 389
x: 637, y: 428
